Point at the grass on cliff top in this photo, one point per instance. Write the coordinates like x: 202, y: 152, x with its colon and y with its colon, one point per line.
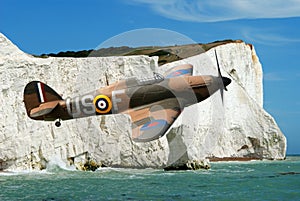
x: 166, y: 54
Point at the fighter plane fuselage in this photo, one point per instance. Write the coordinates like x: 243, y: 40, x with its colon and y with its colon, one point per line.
x: 129, y: 94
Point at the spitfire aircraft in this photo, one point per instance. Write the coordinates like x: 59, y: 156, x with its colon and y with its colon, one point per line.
x: 152, y: 103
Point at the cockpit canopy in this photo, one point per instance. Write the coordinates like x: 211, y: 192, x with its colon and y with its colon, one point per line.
x: 134, y: 81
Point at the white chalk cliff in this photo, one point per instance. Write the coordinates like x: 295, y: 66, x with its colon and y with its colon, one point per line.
x: 239, y: 129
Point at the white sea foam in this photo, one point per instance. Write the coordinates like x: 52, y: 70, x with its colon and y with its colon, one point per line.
x: 56, y: 164
x: 22, y: 172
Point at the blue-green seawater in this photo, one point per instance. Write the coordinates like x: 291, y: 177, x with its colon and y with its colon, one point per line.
x: 254, y: 180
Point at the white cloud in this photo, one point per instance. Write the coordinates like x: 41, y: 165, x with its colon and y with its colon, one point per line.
x: 223, y: 10
x: 273, y: 76
x: 266, y: 37
x: 290, y: 76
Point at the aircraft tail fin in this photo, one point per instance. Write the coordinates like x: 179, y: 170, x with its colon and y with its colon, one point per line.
x: 37, y: 94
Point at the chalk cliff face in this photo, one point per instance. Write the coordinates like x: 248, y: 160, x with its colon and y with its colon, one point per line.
x: 237, y: 128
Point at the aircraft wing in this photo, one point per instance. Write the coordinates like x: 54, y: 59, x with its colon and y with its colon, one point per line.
x: 181, y: 70
x: 151, y: 121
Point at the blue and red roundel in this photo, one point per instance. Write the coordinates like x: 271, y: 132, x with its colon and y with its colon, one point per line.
x: 154, y: 124
x: 179, y: 72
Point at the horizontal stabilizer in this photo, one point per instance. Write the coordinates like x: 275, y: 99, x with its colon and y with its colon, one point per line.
x: 43, y: 109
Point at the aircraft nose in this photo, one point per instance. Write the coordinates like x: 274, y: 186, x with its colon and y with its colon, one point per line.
x: 226, y: 81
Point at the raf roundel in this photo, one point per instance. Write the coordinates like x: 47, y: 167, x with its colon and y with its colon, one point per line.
x: 179, y: 72
x: 102, y: 104
x: 154, y: 124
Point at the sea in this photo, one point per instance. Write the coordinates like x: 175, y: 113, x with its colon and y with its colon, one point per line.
x: 252, y: 180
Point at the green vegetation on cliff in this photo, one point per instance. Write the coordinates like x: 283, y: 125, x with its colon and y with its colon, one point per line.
x: 166, y: 54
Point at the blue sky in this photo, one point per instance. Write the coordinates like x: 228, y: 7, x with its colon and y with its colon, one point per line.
x: 272, y: 27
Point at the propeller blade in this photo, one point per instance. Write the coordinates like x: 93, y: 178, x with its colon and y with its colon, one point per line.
x: 222, y: 95
x: 219, y: 74
x: 221, y: 78
x: 219, y: 71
